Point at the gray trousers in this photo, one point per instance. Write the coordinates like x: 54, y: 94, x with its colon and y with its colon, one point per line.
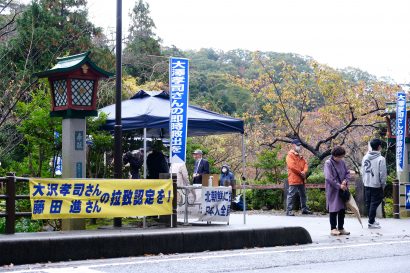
x: 291, y: 196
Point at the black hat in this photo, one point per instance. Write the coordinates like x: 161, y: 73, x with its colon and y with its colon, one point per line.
x: 296, y: 142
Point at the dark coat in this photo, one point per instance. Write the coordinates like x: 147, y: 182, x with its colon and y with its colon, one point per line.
x: 156, y: 164
x: 227, y: 178
x: 136, y: 161
x: 203, y: 168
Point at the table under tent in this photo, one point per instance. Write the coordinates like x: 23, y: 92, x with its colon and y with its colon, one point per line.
x: 150, y: 111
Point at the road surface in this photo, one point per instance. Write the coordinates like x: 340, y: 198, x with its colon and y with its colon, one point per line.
x: 339, y: 256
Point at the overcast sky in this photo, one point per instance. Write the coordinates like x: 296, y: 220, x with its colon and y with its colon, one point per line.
x: 373, y: 35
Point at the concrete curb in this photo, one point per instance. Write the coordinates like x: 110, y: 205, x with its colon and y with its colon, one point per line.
x: 95, y: 246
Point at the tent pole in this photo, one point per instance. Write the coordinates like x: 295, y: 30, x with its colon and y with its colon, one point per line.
x: 144, y: 221
x: 243, y: 178
x: 145, y: 153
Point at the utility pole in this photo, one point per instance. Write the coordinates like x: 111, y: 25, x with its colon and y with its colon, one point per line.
x: 118, y: 125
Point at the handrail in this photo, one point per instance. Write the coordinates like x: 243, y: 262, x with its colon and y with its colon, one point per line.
x: 275, y: 186
x: 18, y: 179
x: 18, y: 197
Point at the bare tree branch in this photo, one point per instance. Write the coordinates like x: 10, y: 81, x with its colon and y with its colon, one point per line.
x: 274, y: 83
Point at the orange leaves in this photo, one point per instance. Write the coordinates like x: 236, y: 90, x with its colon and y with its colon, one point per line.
x: 318, y: 104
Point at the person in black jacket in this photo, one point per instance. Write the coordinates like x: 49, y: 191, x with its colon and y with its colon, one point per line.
x: 201, y: 166
x: 136, y: 160
x: 156, y: 162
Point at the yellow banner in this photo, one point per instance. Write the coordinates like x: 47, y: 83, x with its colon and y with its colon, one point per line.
x: 99, y: 198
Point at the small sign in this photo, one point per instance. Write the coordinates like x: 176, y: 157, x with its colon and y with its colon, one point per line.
x: 216, y: 204
x: 79, y: 140
x: 58, y: 165
x: 56, y: 138
x: 79, y: 170
x: 407, y: 197
x: 401, y: 111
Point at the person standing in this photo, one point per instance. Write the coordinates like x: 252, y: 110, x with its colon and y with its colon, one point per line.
x: 226, y: 177
x: 336, y: 178
x: 297, y: 169
x: 156, y: 161
x: 201, y: 166
x: 136, y: 160
x: 182, y: 173
x: 374, y: 173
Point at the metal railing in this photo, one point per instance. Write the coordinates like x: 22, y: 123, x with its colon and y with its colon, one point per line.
x: 280, y: 186
x: 186, y: 189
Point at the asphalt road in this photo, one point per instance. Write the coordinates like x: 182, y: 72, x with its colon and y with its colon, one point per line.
x: 339, y: 256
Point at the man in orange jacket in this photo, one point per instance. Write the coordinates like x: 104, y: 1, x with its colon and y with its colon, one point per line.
x: 297, y: 169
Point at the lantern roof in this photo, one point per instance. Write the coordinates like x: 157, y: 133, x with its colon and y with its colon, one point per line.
x: 73, y: 62
x: 391, y: 107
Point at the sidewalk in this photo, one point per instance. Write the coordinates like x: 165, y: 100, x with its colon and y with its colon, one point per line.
x: 318, y: 226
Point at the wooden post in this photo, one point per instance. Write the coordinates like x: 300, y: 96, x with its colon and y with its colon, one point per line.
x: 174, y: 201
x: 396, y: 201
x: 11, y: 204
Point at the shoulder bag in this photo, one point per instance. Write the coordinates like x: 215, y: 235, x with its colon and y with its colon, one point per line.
x: 343, y: 194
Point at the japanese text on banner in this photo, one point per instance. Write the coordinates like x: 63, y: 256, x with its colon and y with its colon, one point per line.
x: 83, y: 198
x: 179, y: 90
x: 401, y: 112
x: 216, y: 203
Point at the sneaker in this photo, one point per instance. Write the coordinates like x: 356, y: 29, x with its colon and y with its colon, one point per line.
x: 290, y: 214
x: 306, y: 211
x: 335, y: 232
x: 376, y: 223
x: 344, y: 232
x: 374, y: 226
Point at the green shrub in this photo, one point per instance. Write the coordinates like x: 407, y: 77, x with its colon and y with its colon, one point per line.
x: 274, y: 167
x: 2, y: 225
x: 269, y: 199
x: 316, y: 178
x: 249, y: 198
x: 388, y: 207
x: 23, y: 205
x: 22, y: 225
x: 28, y: 225
x: 316, y: 200
x: 388, y: 191
x: 261, y: 198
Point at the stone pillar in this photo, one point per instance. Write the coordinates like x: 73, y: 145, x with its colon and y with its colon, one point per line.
x: 360, y: 198
x: 74, y: 159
